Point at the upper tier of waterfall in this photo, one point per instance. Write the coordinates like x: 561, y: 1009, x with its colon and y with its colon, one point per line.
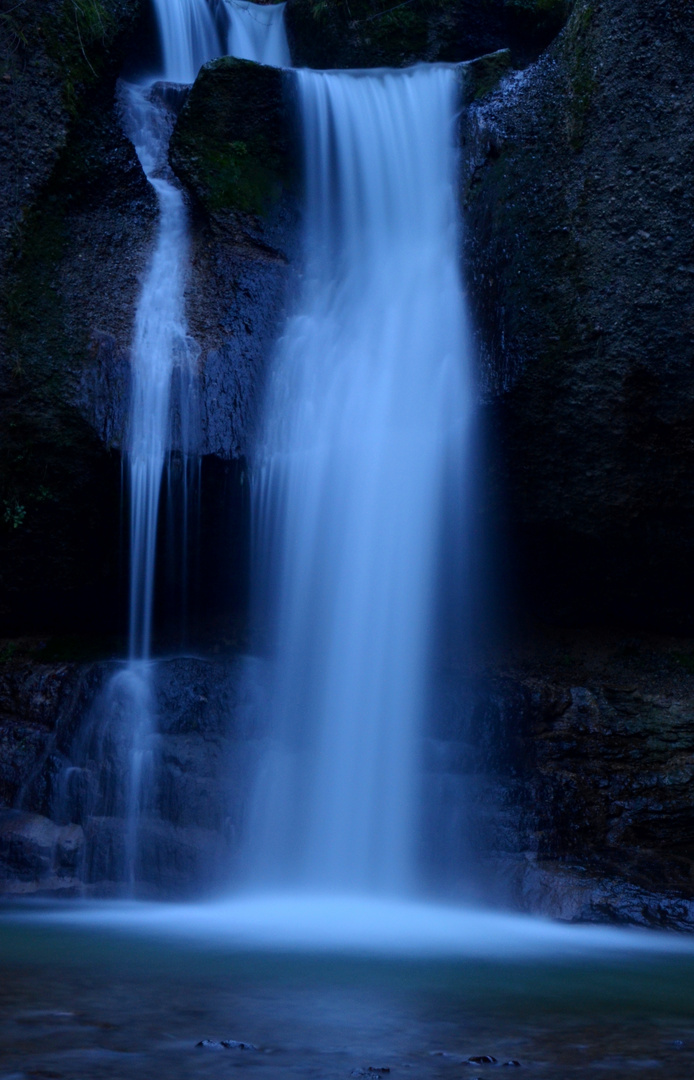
x: 256, y: 32
x: 188, y: 37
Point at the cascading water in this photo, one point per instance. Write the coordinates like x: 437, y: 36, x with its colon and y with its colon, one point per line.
x: 188, y: 37
x: 163, y: 407
x: 162, y: 422
x: 256, y: 32
x: 366, y: 409
x: 161, y: 348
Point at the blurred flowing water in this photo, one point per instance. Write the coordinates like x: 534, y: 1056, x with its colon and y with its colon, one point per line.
x: 256, y: 32
x: 365, y: 421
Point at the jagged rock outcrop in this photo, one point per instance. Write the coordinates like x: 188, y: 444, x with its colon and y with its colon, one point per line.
x: 577, y: 208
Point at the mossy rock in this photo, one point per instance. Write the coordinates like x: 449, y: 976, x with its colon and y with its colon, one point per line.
x: 482, y: 75
x: 373, y: 33
x: 230, y: 145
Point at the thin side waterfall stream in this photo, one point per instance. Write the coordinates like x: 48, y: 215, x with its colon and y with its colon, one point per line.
x: 163, y: 429
x: 163, y: 355
x: 365, y: 418
x: 162, y: 350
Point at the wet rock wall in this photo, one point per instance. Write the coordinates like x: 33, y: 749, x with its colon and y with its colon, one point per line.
x: 577, y: 201
x: 572, y: 800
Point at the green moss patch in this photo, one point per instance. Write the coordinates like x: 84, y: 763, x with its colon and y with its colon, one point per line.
x: 230, y: 143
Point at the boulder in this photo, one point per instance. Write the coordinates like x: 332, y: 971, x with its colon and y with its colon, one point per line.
x: 233, y: 150
x: 35, y: 853
x: 231, y: 144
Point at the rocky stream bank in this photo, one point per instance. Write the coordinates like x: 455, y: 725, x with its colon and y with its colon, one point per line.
x: 574, y: 756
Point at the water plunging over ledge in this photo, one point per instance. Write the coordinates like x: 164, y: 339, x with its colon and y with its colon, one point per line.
x: 256, y: 32
x: 365, y: 418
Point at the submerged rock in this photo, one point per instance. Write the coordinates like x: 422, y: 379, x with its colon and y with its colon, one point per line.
x: 224, y: 1044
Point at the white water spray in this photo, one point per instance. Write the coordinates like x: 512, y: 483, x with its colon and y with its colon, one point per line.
x: 256, y: 32
x: 367, y: 405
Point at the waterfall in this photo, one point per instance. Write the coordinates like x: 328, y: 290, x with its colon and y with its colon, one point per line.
x: 161, y: 346
x: 365, y: 415
x: 256, y: 32
x: 163, y: 407
x: 118, y: 744
x: 188, y: 37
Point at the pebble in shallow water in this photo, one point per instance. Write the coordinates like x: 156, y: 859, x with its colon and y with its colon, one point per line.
x: 225, y: 1044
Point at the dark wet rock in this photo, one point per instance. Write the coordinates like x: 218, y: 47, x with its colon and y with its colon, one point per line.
x: 54, y: 58
x: 577, y: 204
x: 37, y: 853
x: 77, y: 222
x: 481, y: 1059
x: 578, y: 797
x: 209, y: 1044
x: 230, y: 145
x: 62, y: 768
x: 232, y: 149
x: 360, y: 33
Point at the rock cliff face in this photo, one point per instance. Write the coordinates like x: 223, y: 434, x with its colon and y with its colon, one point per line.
x: 577, y: 204
x: 77, y: 220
